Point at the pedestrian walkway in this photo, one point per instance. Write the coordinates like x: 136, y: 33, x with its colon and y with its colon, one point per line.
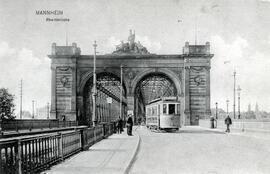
x: 109, y: 156
x: 264, y: 135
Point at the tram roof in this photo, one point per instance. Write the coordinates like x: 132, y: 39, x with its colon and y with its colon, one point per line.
x: 163, y: 99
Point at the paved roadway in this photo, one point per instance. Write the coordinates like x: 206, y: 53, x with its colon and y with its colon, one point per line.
x: 194, y: 150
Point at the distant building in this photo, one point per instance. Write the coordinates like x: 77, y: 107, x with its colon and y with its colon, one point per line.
x: 256, y: 108
x: 249, y: 107
x: 257, y: 112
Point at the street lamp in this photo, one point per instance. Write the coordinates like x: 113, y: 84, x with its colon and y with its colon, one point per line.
x: 216, y: 110
x: 33, y: 110
x: 109, y: 101
x: 48, y: 110
x: 121, y: 89
x: 239, y: 90
x: 234, y: 79
x: 94, y: 92
x: 227, y: 101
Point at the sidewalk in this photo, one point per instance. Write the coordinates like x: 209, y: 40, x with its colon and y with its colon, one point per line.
x: 247, y: 133
x: 109, y: 156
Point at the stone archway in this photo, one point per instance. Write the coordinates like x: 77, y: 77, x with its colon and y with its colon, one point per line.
x: 71, y: 71
x: 170, y: 74
x: 89, y: 74
x: 162, y: 74
x: 105, y: 90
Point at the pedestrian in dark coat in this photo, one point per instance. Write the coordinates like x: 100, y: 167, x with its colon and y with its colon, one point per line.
x: 228, y: 122
x: 129, y: 126
x: 120, y: 125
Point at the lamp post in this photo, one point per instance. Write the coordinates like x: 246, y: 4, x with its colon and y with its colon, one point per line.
x: 109, y: 101
x: 121, y: 90
x: 227, y: 101
x: 94, y: 92
x: 33, y: 110
x: 239, y: 90
x: 234, y: 79
x: 216, y: 110
x: 21, y: 99
x: 48, y: 110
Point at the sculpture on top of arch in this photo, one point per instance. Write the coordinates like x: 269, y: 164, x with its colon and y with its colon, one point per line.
x: 131, y: 47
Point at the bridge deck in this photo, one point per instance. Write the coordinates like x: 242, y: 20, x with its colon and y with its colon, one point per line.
x: 191, y: 150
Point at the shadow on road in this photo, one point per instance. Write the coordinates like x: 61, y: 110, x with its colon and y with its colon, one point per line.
x: 194, y: 131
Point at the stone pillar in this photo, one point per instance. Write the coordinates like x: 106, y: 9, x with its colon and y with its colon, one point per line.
x: 187, y: 96
x: 53, y: 92
x: 73, y: 94
x: 80, y: 114
x: 130, y: 104
x: 207, y: 97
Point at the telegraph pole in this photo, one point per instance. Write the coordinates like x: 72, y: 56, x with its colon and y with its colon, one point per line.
x: 216, y: 110
x: 33, y: 111
x: 21, y: 99
x: 121, y: 90
x: 48, y: 110
x: 94, y: 87
x: 234, y: 74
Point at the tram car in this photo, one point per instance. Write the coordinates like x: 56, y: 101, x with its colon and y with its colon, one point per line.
x: 163, y: 114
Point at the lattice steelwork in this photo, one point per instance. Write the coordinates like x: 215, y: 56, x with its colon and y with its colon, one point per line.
x: 108, y: 85
x: 152, y: 87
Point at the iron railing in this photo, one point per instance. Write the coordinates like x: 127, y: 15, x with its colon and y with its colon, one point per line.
x: 37, y: 153
x: 30, y: 124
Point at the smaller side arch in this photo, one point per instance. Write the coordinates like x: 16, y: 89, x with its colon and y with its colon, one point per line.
x: 89, y: 74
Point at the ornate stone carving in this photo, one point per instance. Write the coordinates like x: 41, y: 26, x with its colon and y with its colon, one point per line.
x: 64, y: 68
x: 197, y: 69
x: 64, y: 81
x: 198, y: 80
x: 131, y: 47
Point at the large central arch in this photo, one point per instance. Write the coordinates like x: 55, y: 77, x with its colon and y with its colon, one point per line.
x: 152, y: 84
x: 170, y: 74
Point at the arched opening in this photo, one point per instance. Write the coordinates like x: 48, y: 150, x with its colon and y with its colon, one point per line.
x: 150, y: 87
x: 107, y: 99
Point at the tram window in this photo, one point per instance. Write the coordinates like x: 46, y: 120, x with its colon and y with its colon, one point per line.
x: 155, y: 110
x: 178, y: 109
x: 148, y: 111
x: 171, y: 108
x: 164, y: 108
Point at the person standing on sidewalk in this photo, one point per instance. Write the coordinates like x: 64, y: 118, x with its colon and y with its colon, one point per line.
x: 228, y: 122
x: 129, y: 125
x: 119, y: 125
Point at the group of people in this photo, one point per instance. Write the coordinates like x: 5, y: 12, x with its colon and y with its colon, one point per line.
x: 227, y: 121
x: 120, y: 125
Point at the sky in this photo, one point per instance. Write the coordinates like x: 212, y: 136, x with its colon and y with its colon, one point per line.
x: 238, y: 31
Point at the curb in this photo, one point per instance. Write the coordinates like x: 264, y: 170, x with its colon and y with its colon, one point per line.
x: 134, y: 154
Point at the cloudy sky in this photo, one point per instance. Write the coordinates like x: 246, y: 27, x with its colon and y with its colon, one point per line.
x: 238, y: 31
